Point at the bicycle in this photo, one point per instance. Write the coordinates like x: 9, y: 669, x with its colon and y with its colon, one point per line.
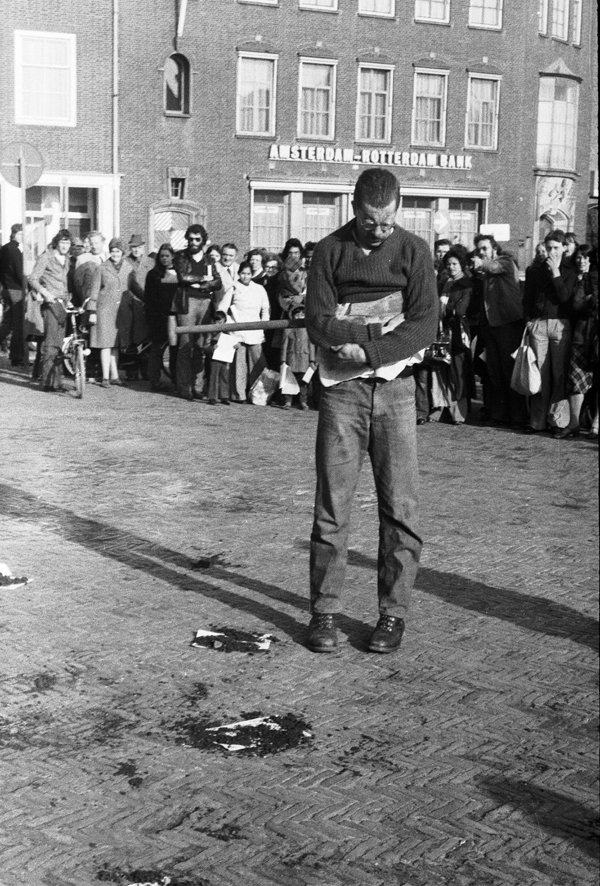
x: 74, y: 351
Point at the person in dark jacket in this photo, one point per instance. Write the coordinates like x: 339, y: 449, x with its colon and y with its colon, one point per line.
x: 501, y: 326
x: 159, y: 292
x: 549, y: 288
x: 11, y: 283
x: 199, y: 286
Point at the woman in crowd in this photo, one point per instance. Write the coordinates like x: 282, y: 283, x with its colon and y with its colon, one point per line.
x: 255, y: 258
x: 161, y: 283
x: 292, y: 277
x: 50, y: 281
x: 272, y: 345
x: 452, y: 386
x: 249, y: 304
x: 214, y: 252
x: 108, y: 292
x: 583, y: 366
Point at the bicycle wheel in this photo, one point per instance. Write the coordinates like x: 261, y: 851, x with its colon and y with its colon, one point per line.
x: 79, y: 370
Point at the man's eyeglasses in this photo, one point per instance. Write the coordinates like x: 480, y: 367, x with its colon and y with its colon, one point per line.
x: 195, y: 239
x: 369, y: 225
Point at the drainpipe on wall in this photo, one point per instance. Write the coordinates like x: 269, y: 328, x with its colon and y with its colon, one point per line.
x: 115, y: 123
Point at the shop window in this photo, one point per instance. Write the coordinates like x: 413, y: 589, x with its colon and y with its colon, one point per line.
x: 543, y: 16
x: 437, y: 11
x: 557, y: 123
x: 560, y: 19
x: 374, y: 104
x: 257, y: 76
x: 416, y: 215
x: 54, y: 207
x: 485, y: 14
x: 177, y: 85
x: 320, y: 216
x: 482, y: 113
x: 317, y: 99
x: 45, y: 78
x: 429, y: 108
x: 321, y: 5
x: 377, y: 7
x: 270, y: 219
x: 464, y: 219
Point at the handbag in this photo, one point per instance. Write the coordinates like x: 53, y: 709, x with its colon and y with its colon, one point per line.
x: 33, y: 322
x: 526, y: 378
x: 438, y: 353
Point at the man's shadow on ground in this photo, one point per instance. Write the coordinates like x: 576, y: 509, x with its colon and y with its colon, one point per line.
x: 533, y: 613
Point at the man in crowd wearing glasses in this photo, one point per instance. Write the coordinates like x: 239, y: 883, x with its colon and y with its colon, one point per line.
x: 194, y: 303
x: 371, y: 308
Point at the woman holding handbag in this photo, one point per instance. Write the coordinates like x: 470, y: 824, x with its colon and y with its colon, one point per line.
x: 452, y: 384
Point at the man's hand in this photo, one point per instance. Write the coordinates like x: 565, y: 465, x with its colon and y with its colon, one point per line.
x: 553, y: 262
x: 351, y: 353
x: 476, y: 262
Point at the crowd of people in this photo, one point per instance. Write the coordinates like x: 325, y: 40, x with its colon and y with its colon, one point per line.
x: 132, y: 303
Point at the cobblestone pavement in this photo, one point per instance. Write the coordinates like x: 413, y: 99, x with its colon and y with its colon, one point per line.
x: 468, y: 759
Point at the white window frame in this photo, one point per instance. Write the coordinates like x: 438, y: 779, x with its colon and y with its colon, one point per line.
x: 315, y: 6
x: 498, y: 27
x: 363, y: 11
x: 21, y: 116
x: 389, y: 69
x: 329, y: 62
x: 563, y: 36
x: 430, y: 19
x: 261, y: 2
x: 543, y: 16
x: 434, y: 73
x: 576, y: 17
x: 265, y: 56
x: 553, y: 141
x: 498, y: 81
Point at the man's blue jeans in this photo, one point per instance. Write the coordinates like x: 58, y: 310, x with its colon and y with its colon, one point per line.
x: 355, y: 418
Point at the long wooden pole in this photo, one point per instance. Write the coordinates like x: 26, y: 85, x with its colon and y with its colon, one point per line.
x: 239, y: 327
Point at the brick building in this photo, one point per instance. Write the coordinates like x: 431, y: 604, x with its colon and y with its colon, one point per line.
x: 256, y: 117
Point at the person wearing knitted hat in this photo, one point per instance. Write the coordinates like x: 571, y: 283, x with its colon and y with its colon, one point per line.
x: 110, y: 328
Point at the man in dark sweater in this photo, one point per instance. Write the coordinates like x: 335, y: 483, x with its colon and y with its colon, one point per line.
x: 11, y: 281
x: 371, y: 309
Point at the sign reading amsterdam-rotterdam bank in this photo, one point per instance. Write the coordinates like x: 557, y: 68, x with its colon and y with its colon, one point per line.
x: 370, y: 157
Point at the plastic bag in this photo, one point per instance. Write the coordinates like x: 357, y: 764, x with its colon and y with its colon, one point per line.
x: 264, y: 387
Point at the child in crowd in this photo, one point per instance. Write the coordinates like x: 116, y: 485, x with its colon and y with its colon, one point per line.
x: 221, y: 348
x: 300, y: 355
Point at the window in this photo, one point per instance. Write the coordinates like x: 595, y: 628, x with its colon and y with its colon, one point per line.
x: 319, y: 4
x: 177, y: 85
x: 463, y: 216
x: 374, y: 104
x: 557, y: 123
x: 270, y: 214
x: 560, y: 19
x: 45, y: 78
x: 543, y: 16
x: 320, y: 216
x: 432, y: 11
x: 576, y: 23
x: 429, y: 109
x: 416, y: 215
x: 177, y: 188
x: 58, y: 207
x: 257, y: 75
x: 377, y: 7
x: 485, y: 13
x: 317, y: 99
x: 482, y: 113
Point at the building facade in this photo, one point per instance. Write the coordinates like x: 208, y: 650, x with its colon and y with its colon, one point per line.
x: 255, y: 117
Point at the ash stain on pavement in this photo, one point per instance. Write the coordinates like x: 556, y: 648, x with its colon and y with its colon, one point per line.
x: 129, y: 769
x: 108, y: 874
x: 278, y: 733
x: 44, y: 682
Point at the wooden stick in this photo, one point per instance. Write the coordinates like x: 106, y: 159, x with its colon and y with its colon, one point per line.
x: 239, y: 327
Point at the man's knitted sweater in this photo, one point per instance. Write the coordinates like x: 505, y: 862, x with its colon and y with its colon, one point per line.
x: 341, y: 272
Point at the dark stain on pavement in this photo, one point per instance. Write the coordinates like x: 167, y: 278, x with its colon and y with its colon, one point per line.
x: 255, y: 735
x: 44, y: 682
x: 109, y: 874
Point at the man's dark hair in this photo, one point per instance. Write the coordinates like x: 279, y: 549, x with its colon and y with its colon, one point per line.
x: 228, y: 246
x: 557, y: 235
x: 197, y: 229
x: 377, y: 188
x: 442, y: 242
x: 479, y: 238
x: 14, y: 230
x: 571, y: 237
x: 63, y: 234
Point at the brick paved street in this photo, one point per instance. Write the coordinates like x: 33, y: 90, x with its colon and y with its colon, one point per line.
x: 469, y: 759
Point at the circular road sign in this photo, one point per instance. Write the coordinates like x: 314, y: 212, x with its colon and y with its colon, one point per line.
x: 20, y: 160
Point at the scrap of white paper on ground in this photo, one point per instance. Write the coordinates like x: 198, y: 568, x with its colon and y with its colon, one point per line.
x: 262, y: 642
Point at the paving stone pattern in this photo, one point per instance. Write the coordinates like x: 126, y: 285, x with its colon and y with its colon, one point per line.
x: 468, y: 759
